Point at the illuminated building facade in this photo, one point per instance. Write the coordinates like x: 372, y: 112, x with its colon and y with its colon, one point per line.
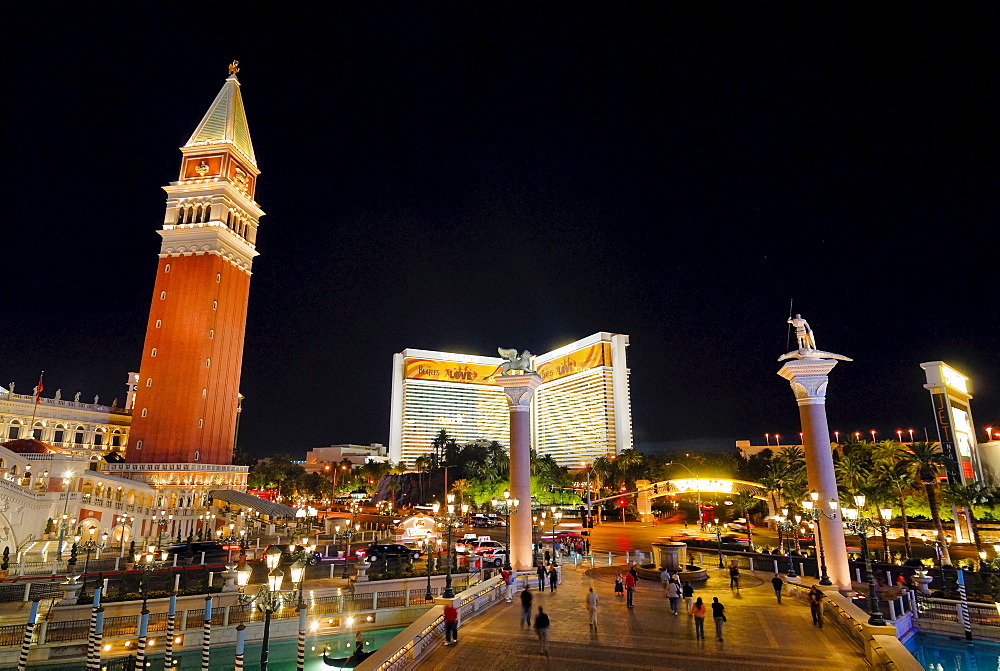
x: 580, y: 412
x: 950, y: 398
x: 186, y: 402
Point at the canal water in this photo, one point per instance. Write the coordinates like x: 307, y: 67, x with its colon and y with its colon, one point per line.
x: 943, y: 653
x: 280, y: 657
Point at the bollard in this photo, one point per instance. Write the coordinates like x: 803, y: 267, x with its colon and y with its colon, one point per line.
x: 117, y: 563
x: 206, y: 635
x: 913, y: 603
x: 140, y: 656
x: 857, y: 573
x: 22, y: 660
x: 776, y: 566
x: 300, y: 659
x: 591, y: 561
x: 241, y: 632
x: 203, y: 557
x: 211, y: 578
x: 94, y: 658
x: 175, y: 561
x: 892, y: 610
x: 751, y: 564
x: 802, y: 568
x: 168, y: 652
x: 177, y: 580
x: 626, y: 556
x: 609, y: 559
x: 27, y: 592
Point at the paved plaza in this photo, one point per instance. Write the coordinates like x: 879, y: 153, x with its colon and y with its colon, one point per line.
x: 759, y: 634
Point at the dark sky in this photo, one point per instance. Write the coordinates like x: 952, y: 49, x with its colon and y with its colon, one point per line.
x: 459, y: 176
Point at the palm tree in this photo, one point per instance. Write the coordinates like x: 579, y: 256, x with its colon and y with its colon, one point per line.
x: 392, y: 487
x: 462, y: 488
x: 893, y: 470
x: 421, y: 463
x: 969, y: 496
x: 744, y: 501
x: 926, y: 459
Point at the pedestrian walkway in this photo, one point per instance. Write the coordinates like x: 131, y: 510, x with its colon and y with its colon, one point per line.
x: 759, y: 634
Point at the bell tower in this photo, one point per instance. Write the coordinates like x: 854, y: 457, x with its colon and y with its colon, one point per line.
x: 188, y: 385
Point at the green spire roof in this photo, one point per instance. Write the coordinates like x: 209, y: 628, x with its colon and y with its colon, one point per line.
x: 225, y: 121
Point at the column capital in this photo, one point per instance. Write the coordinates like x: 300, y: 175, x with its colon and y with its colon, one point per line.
x: 808, y: 379
x: 518, y: 389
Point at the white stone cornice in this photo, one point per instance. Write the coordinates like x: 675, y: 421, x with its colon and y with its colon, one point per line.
x: 181, y: 240
x: 808, y: 379
x: 212, y: 187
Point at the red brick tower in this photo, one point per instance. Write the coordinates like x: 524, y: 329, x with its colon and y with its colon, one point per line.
x: 188, y: 387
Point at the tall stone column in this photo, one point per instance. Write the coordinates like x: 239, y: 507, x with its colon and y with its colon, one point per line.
x: 808, y: 377
x: 519, y: 389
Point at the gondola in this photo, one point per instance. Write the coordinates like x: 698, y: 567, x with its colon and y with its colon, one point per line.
x: 345, y: 662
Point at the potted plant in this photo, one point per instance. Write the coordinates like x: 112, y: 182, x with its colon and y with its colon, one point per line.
x: 5, y: 564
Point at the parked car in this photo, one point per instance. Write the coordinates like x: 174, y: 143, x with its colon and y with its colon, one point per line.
x: 289, y: 557
x: 387, y: 551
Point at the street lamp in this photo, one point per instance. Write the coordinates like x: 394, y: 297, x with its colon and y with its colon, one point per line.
x: 858, y: 522
x: 269, y: 597
x: 718, y: 539
x: 787, y: 526
x: 121, y: 521
x: 815, y: 512
x: 556, y: 516
x: 90, y: 545
x: 450, y: 520
x: 425, y: 547
x: 66, y: 480
x: 506, y: 507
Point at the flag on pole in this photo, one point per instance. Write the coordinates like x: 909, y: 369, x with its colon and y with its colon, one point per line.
x: 39, y: 388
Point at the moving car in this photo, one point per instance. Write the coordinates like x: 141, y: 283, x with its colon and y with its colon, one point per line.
x: 387, y: 551
x: 289, y: 557
x: 214, y: 552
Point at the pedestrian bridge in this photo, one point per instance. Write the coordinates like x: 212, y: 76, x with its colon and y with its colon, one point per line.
x: 646, y: 491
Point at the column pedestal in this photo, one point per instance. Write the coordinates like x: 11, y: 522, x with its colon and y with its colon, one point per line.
x: 808, y: 378
x: 519, y: 389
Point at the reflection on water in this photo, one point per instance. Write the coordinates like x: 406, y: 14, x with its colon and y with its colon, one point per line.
x: 280, y: 654
x: 942, y: 653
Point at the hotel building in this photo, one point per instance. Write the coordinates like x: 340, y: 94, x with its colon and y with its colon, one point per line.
x: 580, y: 412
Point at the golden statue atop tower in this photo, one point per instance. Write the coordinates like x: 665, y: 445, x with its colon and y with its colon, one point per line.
x: 234, y: 67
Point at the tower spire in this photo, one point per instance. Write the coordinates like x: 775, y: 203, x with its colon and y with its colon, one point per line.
x: 226, y: 120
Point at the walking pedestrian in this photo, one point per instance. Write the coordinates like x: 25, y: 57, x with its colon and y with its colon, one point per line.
x: 592, y: 607
x: 619, y: 584
x: 542, y: 629
x: 553, y: 577
x: 778, y: 584
x: 665, y: 578
x: 719, y: 615
x: 511, y: 579
x: 548, y: 557
x: 699, y: 610
x: 542, y: 573
x: 816, y: 606
x: 688, y: 591
x: 734, y: 577
x: 526, y: 607
x: 450, y: 624
x: 674, y: 595
x: 629, y: 588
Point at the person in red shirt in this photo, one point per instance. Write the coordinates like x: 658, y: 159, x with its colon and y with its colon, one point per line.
x: 629, y: 588
x: 450, y: 624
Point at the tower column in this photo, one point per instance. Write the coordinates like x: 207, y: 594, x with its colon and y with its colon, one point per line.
x: 809, y: 378
x: 518, y: 390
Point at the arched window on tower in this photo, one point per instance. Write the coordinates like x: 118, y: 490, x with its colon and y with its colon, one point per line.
x: 153, y: 353
x: 166, y: 268
x: 143, y: 413
x: 163, y: 295
x: 159, y: 323
x: 149, y: 382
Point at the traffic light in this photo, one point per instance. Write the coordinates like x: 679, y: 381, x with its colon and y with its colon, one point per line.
x: 656, y: 489
x: 622, y: 503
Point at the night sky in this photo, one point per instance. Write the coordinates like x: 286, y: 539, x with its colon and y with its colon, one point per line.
x: 472, y: 175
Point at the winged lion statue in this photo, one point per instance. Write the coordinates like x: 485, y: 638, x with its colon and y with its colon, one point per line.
x: 513, y: 361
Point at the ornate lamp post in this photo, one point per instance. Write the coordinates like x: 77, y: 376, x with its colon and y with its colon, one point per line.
x: 121, y: 521
x: 815, y: 512
x: 269, y: 597
x: 450, y: 520
x: 787, y: 526
x: 556, y: 516
x: 858, y: 522
x: 66, y: 481
x: 90, y: 545
x: 718, y: 539
x: 506, y: 507
x: 425, y: 546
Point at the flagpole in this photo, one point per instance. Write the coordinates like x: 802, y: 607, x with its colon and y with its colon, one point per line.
x: 34, y: 406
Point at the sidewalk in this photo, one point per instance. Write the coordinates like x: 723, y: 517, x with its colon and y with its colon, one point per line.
x: 759, y: 634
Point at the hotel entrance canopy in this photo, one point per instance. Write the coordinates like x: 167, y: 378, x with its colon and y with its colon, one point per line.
x: 263, y: 506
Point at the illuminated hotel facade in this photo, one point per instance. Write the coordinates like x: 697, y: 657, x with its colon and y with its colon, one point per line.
x: 580, y: 412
